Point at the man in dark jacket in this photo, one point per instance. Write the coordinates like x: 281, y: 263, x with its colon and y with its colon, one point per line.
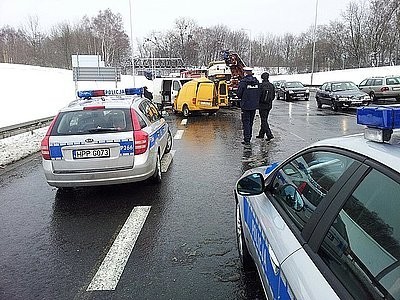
x: 249, y: 93
x: 267, y: 95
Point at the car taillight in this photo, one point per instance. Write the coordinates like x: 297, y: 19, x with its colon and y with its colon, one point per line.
x: 141, y: 138
x: 194, y: 101
x: 141, y: 141
x: 95, y: 107
x: 384, y: 89
x: 44, y: 146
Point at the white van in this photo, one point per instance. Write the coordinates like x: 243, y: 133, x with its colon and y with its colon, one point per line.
x: 165, y: 90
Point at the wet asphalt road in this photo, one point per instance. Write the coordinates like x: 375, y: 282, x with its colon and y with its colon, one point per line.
x: 52, y: 243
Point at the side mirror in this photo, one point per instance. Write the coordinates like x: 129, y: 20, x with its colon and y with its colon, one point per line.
x: 251, y: 185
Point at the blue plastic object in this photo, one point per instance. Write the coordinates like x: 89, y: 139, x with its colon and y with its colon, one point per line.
x: 379, y: 117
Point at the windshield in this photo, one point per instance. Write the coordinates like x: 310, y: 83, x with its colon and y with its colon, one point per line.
x: 294, y: 84
x: 343, y: 86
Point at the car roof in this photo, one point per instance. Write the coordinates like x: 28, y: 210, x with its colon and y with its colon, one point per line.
x: 387, y: 154
x: 339, y: 81
x: 122, y: 101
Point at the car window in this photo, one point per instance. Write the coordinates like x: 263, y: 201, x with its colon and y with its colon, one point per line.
x: 362, y: 247
x: 150, y: 111
x: 323, y: 86
x: 301, y: 184
x: 294, y: 84
x: 378, y: 82
x: 92, y: 121
x: 176, y: 86
x: 343, y: 86
x: 364, y: 82
x: 370, y: 82
x: 393, y: 80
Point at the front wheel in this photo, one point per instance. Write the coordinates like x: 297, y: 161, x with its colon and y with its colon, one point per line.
x: 168, y: 147
x: 244, y: 254
x: 157, y: 172
x: 185, y: 111
x: 334, y: 105
x: 373, y: 97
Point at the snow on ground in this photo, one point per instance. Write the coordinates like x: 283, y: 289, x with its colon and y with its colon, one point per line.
x: 29, y: 93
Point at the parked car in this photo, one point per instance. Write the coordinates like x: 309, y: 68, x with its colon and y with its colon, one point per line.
x: 381, y: 87
x: 104, y: 140
x: 339, y: 94
x: 197, y: 95
x: 323, y: 223
x: 292, y: 90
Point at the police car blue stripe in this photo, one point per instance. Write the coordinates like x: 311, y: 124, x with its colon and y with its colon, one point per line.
x: 279, y: 288
x: 158, y: 134
x: 271, y: 167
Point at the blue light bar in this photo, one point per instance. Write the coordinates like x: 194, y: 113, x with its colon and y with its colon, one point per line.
x: 99, y: 93
x: 379, y: 117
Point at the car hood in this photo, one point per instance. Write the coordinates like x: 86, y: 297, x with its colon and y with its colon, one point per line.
x: 350, y: 93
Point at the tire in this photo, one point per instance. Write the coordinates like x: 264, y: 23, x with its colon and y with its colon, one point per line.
x: 210, y: 113
x: 373, y: 97
x: 156, y: 178
x: 185, y: 111
x: 168, y: 147
x: 319, y: 104
x: 286, y: 97
x: 334, y: 105
x: 244, y: 255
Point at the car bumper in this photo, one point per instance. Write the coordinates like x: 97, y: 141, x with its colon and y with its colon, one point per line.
x: 140, y: 172
x: 353, y: 103
x: 299, y: 96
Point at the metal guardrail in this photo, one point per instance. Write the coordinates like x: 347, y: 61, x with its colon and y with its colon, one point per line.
x: 24, y: 127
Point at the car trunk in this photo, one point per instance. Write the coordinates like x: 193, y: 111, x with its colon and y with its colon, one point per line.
x: 100, y: 152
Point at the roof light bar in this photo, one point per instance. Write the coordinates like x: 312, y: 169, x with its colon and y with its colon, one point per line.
x: 99, y: 93
x: 380, y: 121
x: 384, y: 117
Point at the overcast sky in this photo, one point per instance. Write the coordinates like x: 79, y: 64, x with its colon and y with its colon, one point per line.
x: 259, y: 16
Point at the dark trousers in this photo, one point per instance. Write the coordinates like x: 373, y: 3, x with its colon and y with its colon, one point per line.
x: 247, y: 120
x: 264, y: 130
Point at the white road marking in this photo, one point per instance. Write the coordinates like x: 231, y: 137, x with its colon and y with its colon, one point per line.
x: 179, y: 134
x: 299, y: 137
x: 166, y: 161
x: 184, y: 122
x: 110, y: 270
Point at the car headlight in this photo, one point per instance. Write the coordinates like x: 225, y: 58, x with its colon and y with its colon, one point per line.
x: 365, y: 98
x: 291, y: 92
x: 343, y: 98
x: 307, y: 91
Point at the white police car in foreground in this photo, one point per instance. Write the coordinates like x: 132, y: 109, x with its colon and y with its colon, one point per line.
x: 108, y: 137
x: 325, y: 223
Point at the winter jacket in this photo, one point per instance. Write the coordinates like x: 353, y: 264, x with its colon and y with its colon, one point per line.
x: 249, y: 93
x: 267, y: 95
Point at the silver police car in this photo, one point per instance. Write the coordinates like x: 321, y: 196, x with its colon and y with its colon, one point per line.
x: 105, y: 137
x: 324, y: 224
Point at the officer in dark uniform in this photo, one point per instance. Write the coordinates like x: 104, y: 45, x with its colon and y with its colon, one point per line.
x: 249, y: 93
x: 267, y: 95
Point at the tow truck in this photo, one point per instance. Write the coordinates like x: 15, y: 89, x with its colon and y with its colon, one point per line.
x: 236, y: 65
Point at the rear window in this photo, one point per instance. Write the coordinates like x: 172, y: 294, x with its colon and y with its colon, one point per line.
x: 92, y: 121
x: 393, y: 80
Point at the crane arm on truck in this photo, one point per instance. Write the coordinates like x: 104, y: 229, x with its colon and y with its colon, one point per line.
x: 236, y: 64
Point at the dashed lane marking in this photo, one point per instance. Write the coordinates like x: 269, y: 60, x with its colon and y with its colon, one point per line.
x: 184, y: 122
x: 110, y: 270
x: 299, y: 137
x: 179, y: 134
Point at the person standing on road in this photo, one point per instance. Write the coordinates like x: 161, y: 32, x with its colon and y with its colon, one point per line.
x: 249, y: 93
x: 267, y: 95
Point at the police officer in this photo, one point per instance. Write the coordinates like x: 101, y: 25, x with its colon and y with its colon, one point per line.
x: 249, y: 93
x: 267, y: 95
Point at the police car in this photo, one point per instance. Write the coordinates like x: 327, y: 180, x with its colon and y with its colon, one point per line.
x: 105, y: 137
x: 325, y: 223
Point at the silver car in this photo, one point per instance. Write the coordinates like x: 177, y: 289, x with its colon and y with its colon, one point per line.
x: 381, y: 87
x: 105, y: 140
x: 324, y: 223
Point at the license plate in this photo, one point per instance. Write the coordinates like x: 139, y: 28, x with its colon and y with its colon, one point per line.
x: 205, y: 103
x: 91, y: 153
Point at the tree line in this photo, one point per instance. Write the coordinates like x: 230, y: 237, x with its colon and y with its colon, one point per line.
x: 366, y: 34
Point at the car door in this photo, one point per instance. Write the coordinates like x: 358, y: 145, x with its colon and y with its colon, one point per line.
x: 326, y: 94
x: 357, y: 242
x: 298, y: 193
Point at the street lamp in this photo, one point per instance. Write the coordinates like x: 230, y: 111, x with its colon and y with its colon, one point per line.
x: 133, y: 59
x: 314, y: 38
x: 152, y: 57
x: 246, y: 29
